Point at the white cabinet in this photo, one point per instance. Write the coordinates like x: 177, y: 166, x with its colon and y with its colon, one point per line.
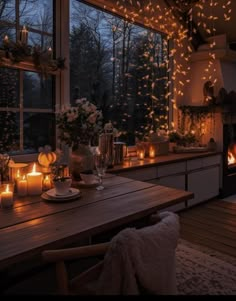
x: 202, y: 176
x: 205, y: 184
x: 142, y: 174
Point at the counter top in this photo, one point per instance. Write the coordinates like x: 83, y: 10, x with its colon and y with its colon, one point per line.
x: 134, y: 163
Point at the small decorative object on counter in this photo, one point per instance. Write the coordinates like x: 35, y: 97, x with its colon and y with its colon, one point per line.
x: 140, y: 151
x: 212, y: 146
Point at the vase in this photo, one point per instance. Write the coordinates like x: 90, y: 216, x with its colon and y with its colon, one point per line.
x: 81, y: 160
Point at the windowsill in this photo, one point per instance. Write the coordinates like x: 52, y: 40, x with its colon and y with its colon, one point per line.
x: 24, y: 65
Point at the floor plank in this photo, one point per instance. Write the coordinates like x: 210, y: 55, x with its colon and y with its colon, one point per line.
x: 212, y: 224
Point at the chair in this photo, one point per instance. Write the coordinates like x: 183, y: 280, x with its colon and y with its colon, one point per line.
x: 135, y: 261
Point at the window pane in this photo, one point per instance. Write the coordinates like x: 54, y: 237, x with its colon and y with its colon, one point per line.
x: 7, y: 10
x: 9, y: 81
x: 37, y: 14
x: 121, y: 68
x: 9, y: 133
x: 39, y: 130
x: 38, y: 91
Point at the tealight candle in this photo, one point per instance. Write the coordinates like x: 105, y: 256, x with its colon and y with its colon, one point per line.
x: 22, y: 187
x: 7, y: 198
x: 47, y: 183
x: 35, y: 182
x: 152, y: 152
x: 141, y: 155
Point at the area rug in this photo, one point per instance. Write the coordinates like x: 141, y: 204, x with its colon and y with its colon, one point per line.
x: 204, y: 272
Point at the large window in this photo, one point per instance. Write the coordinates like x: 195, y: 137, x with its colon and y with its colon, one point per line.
x: 121, y: 67
x: 27, y: 103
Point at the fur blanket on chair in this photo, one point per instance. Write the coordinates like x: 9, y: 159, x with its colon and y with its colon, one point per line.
x: 142, y: 260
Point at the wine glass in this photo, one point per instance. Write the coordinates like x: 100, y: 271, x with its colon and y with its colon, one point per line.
x: 101, y: 164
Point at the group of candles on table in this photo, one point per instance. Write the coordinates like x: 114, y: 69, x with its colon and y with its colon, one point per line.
x: 30, y: 184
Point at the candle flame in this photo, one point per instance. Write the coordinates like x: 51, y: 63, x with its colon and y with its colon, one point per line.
x: 23, y: 177
x: 34, y: 168
x: 7, y: 188
x: 18, y: 173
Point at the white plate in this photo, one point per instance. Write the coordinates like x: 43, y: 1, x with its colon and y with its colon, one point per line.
x: 72, y: 192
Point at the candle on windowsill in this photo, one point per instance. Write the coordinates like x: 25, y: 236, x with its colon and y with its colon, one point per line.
x: 22, y: 187
x: 152, y: 153
x: 35, y: 182
x: 7, y: 198
x: 24, y: 35
x: 6, y: 41
x: 50, y: 53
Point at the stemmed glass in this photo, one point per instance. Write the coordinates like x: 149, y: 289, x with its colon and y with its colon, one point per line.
x: 101, y: 164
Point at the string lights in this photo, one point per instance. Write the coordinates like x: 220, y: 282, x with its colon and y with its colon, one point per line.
x: 179, y: 31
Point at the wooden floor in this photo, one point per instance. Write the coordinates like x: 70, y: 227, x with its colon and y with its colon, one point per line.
x: 212, y: 224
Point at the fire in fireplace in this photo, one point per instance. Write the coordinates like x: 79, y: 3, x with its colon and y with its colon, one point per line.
x: 232, y: 155
x: 229, y: 160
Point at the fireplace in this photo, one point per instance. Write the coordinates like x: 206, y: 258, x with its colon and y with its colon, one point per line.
x: 229, y: 160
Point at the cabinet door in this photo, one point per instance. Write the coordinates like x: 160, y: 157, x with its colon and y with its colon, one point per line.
x: 143, y: 174
x: 175, y: 181
x: 205, y: 184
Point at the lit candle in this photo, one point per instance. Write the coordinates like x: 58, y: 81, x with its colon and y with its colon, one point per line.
x: 152, y: 152
x: 24, y: 35
x: 47, y: 183
x: 7, y: 198
x: 141, y: 155
x: 17, y: 175
x: 34, y: 180
x: 50, y: 52
x: 22, y: 187
x: 6, y: 41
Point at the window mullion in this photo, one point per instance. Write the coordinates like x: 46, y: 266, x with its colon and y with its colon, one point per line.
x: 21, y: 102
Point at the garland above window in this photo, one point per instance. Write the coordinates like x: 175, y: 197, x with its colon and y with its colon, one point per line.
x: 17, y: 52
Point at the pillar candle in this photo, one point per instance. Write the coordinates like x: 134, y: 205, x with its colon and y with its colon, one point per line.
x: 34, y: 180
x: 7, y: 198
x: 22, y: 187
x: 24, y: 35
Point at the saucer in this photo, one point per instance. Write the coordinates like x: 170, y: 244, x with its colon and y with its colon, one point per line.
x: 51, y: 195
x: 87, y: 185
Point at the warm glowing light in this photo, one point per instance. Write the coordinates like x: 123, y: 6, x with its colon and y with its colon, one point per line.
x: 231, y: 159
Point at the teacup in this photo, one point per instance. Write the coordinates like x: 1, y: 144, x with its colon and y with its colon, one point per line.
x: 88, y: 178
x: 62, y: 186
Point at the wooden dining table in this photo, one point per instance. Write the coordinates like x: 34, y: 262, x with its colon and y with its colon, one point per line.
x: 34, y: 224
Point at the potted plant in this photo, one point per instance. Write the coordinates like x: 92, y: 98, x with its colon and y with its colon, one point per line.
x: 174, y: 139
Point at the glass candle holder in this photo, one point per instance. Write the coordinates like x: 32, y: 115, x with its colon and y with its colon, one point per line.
x: 17, y: 172
x: 7, y: 194
x: 152, y: 152
x: 140, y: 151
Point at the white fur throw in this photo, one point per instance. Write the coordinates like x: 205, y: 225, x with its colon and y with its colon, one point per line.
x: 142, y: 260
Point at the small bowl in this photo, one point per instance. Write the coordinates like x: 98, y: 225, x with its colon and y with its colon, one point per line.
x: 88, y: 178
x: 62, y: 187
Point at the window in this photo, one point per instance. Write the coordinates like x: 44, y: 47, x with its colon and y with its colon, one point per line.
x: 121, y: 67
x: 27, y: 98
